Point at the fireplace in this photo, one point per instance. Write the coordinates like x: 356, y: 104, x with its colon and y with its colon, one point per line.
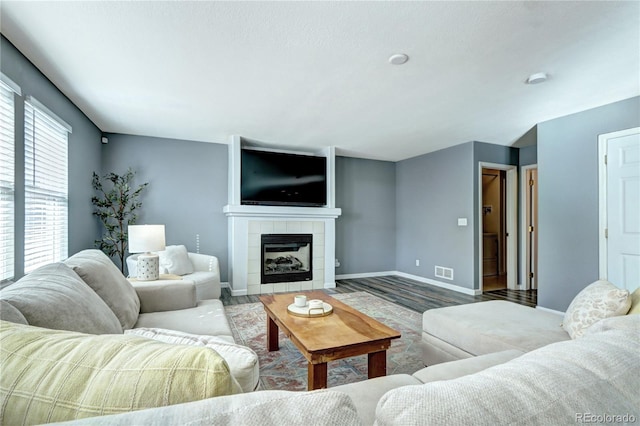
x: 286, y: 258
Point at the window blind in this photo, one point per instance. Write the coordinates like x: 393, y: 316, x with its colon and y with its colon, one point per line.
x: 7, y: 182
x: 46, y: 186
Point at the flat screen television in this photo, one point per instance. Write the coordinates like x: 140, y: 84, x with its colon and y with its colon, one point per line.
x: 282, y: 179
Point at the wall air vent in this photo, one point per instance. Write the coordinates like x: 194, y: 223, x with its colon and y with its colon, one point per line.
x: 442, y: 272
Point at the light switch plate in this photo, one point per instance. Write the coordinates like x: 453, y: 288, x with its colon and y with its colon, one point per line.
x: 462, y: 221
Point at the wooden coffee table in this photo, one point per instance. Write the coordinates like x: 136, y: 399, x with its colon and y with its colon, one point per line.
x: 344, y: 333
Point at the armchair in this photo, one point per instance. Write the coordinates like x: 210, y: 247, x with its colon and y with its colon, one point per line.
x: 205, y: 276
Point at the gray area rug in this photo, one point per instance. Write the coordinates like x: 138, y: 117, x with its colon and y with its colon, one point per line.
x: 286, y: 369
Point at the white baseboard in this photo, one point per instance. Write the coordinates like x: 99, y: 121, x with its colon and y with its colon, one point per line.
x: 448, y: 286
x: 550, y: 310
x: 365, y: 275
x: 469, y: 291
x: 239, y: 292
x: 330, y: 285
x: 224, y: 285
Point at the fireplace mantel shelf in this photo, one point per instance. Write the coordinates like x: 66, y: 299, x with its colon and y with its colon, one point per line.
x: 281, y: 211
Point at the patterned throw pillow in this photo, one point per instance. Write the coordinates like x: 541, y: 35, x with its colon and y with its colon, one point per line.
x: 52, y: 376
x: 595, y: 302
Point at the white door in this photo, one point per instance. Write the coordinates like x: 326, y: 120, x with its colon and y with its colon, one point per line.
x: 620, y: 220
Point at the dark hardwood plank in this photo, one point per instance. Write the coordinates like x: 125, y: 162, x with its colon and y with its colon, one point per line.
x: 409, y: 293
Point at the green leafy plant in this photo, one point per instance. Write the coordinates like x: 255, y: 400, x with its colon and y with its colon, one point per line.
x: 116, y: 205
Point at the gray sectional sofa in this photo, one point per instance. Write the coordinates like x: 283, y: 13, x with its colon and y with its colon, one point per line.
x: 59, y: 319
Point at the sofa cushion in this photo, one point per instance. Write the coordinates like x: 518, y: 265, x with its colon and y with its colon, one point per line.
x: 54, y: 296
x: 207, y: 284
x: 50, y: 375
x: 597, y: 301
x: 207, y: 318
x: 552, y: 385
x: 104, y: 277
x: 165, y: 295
x: 243, y: 361
x: 366, y: 394
x: 486, y: 327
x: 318, y: 408
x: 9, y: 313
x: 175, y: 260
x: 622, y: 322
x: 464, y: 367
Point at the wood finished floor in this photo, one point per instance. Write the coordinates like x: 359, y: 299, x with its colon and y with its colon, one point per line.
x: 409, y: 293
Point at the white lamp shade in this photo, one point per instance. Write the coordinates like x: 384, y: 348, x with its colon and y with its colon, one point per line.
x: 146, y: 238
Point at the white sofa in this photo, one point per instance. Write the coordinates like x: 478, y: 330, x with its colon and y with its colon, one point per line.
x: 566, y: 382
x: 205, y: 275
x: 464, y: 331
x: 587, y: 380
x: 87, y: 293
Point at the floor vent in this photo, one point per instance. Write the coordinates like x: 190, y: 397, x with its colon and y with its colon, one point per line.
x: 442, y: 272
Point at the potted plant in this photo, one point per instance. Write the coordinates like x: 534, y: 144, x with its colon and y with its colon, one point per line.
x: 116, y: 205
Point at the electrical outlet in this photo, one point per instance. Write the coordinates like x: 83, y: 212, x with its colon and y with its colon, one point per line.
x: 337, y: 263
x: 417, y: 262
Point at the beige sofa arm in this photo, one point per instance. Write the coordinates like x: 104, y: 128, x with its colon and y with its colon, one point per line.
x: 463, y: 367
x: 165, y: 295
x: 263, y: 408
x: 204, y: 262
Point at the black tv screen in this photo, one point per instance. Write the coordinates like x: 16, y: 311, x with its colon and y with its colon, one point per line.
x: 275, y: 178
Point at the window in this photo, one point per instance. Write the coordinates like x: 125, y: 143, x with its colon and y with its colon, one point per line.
x: 7, y: 177
x: 46, y: 189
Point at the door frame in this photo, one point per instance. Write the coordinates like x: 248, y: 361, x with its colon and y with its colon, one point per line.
x: 602, y: 195
x: 524, y: 203
x: 511, y: 222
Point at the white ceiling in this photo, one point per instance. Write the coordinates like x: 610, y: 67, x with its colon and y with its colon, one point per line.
x: 313, y: 74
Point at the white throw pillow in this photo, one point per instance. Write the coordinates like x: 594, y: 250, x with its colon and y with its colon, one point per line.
x: 175, y: 260
x: 595, y: 302
x: 243, y: 361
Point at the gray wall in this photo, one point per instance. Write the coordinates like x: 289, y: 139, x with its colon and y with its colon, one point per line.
x: 365, y: 232
x: 432, y: 192
x: 568, y: 198
x: 528, y: 155
x: 488, y: 153
x: 187, y: 188
x: 84, y: 151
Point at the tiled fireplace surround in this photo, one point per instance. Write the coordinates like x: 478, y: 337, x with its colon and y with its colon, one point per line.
x: 246, y: 223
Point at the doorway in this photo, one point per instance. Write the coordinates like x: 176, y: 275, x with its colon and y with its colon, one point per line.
x: 498, y: 222
x: 494, y: 270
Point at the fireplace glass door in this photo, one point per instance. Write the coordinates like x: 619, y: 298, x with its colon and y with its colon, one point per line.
x: 286, y: 258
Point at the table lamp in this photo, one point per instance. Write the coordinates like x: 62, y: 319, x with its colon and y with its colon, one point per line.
x: 144, y: 239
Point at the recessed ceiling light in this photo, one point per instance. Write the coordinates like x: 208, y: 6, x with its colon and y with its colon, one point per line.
x: 539, y: 77
x: 398, y: 59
